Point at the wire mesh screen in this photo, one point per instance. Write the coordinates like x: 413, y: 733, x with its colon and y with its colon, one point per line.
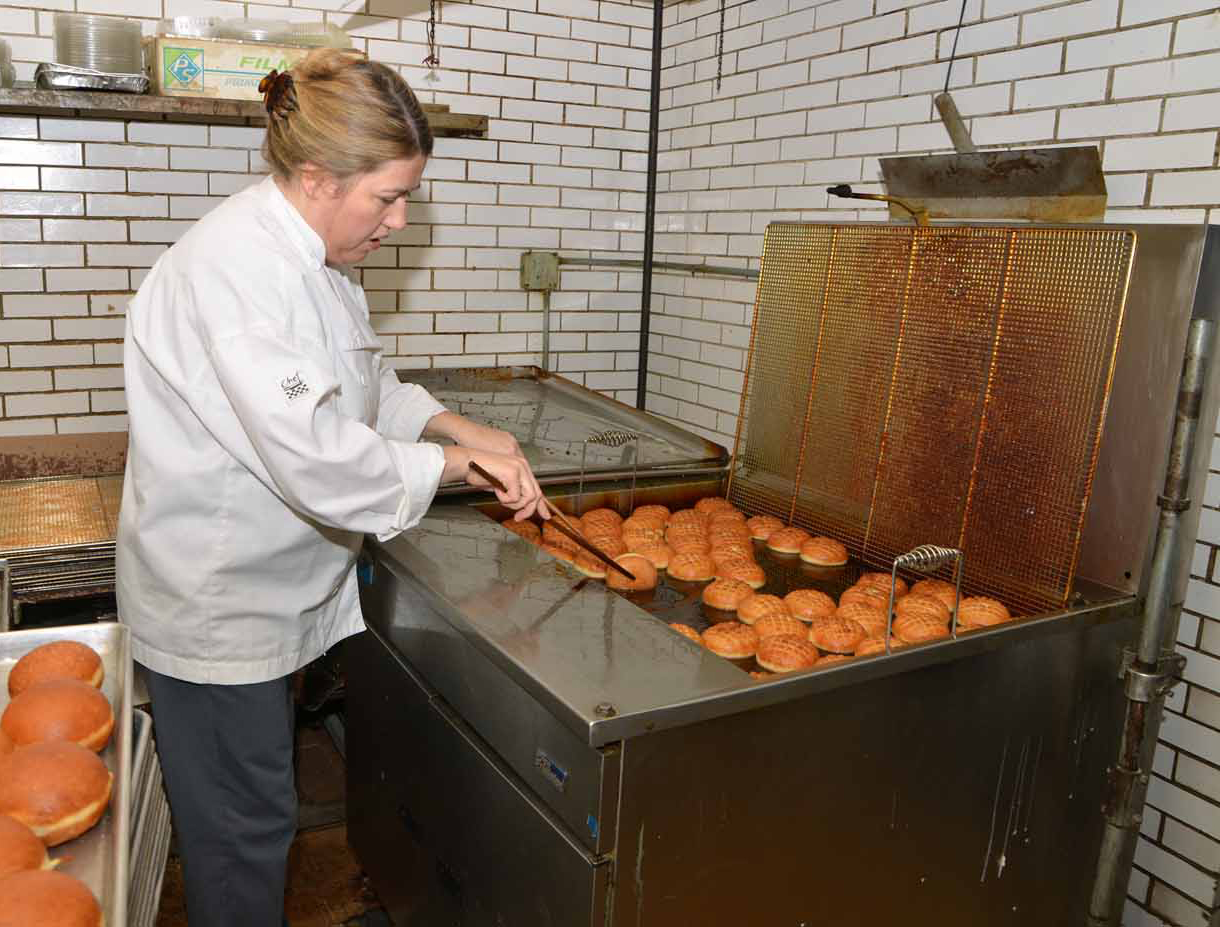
x: 943, y: 385
x: 52, y: 513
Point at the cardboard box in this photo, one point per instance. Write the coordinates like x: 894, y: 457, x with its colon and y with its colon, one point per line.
x: 218, y: 69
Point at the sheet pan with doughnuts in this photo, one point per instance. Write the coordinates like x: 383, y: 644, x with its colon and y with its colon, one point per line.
x: 57, y: 779
x: 711, y: 564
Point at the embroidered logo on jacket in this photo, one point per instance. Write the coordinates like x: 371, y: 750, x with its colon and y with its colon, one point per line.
x: 294, y: 387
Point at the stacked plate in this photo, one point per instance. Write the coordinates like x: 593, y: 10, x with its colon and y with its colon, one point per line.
x: 317, y: 34
x: 253, y: 30
x: 101, y: 43
x: 190, y: 27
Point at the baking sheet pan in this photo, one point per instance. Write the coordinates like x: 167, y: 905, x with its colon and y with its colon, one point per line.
x: 99, y: 857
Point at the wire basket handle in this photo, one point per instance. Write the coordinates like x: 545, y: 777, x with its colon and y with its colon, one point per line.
x: 610, y: 438
x: 926, y: 558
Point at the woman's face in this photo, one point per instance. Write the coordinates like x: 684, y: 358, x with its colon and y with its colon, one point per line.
x: 369, y: 207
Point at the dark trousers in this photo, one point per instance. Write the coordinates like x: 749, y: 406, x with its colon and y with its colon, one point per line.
x: 226, y: 755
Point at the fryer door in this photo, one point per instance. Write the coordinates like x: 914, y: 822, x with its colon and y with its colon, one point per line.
x: 448, y: 834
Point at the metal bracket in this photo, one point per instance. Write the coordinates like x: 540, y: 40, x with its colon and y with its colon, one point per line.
x: 1143, y: 686
x: 1172, y: 505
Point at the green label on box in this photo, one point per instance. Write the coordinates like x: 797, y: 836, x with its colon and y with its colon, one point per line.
x: 182, y: 68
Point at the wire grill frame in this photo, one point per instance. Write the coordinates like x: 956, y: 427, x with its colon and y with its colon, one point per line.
x: 944, y: 385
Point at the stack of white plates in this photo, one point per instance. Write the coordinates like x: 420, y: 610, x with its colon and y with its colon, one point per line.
x: 102, y: 43
x: 253, y: 30
x: 190, y: 27
x: 317, y: 34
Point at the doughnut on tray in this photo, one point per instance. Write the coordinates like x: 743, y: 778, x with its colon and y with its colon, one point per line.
x: 100, y: 856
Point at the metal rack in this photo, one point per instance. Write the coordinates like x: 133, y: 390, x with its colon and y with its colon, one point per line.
x: 57, y: 537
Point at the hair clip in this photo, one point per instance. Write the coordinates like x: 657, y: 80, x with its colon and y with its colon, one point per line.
x: 279, y: 94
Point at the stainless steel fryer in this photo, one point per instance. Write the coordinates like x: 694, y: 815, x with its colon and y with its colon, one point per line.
x: 526, y: 747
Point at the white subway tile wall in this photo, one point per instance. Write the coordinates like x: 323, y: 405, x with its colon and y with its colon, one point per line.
x: 1139, y: 79
x: 811, y: 94
x: 87, y: 205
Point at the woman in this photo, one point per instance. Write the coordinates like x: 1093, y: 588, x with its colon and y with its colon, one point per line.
x: 267, y: 438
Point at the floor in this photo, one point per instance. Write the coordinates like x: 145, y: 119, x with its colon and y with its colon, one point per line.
x: 325, y: 884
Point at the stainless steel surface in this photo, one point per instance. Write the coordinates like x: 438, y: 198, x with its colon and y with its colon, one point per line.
x: 550, y: 417
x: 961, y: 794
x: 1168, y: 283
x: 100, y: 858
x: 571, y: 643
x: 447, y: 832
x: 1042, y: 184
x: 1151, y: 671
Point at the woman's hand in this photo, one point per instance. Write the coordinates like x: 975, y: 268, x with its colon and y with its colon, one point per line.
x: 472, y: 435
x: 521, y: 492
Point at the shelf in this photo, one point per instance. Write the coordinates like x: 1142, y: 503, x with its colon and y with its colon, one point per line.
x: 87, y: 103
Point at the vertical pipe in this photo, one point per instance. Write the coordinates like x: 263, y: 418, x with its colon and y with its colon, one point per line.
x: 1144, y: 680
x: 6, y: 597
x: 650, y: 200
x: 546, y: 331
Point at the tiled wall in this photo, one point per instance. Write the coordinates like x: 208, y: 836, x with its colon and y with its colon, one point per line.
x: 813, y: 94
x: 86, y: 206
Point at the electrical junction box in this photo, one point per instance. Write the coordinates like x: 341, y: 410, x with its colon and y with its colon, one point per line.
x: 539, y: 270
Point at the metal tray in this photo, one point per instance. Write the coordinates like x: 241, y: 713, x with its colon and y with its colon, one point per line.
x: 65, y: 77
x: 142, y: 759
x: 100, y: 857
x: 150, y: 856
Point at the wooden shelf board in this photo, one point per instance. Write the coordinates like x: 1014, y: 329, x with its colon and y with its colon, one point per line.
x: 86, y: 103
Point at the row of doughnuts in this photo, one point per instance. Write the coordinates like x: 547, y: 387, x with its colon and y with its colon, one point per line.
x: 53, y: 785
x: 712, y: 542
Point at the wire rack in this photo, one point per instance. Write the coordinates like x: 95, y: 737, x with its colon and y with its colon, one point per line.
x: 944, y: 385
x: 57, y: 536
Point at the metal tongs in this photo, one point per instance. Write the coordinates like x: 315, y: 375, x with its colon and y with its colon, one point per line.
x: 561, y: 522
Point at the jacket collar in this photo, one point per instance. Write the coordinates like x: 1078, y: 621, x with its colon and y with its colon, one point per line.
x: 308, y: 242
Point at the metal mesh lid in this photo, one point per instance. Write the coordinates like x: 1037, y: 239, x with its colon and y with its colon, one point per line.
x: 942, y: 385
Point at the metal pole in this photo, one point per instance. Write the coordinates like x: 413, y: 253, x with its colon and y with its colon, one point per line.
x: 718, y: 269
x: 1151, y: 668
x: 6, y: 597
x: 546, y: 331
x: 650, y: 200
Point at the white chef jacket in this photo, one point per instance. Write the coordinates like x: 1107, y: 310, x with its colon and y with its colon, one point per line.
x: 266, y: 438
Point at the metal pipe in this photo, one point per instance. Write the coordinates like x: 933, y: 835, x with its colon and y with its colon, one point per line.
x: 1150, y: 668
x: 720, y: 269
x: 954, y: 124
x: 546, y: 331
x: 6, y: 597
x: 650, y: 200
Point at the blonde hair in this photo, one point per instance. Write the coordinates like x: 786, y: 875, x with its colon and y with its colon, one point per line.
x: 345, y: 114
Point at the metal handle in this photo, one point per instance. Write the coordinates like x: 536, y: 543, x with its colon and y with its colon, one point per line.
x: 924, y: 559
x: 610, y: 438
